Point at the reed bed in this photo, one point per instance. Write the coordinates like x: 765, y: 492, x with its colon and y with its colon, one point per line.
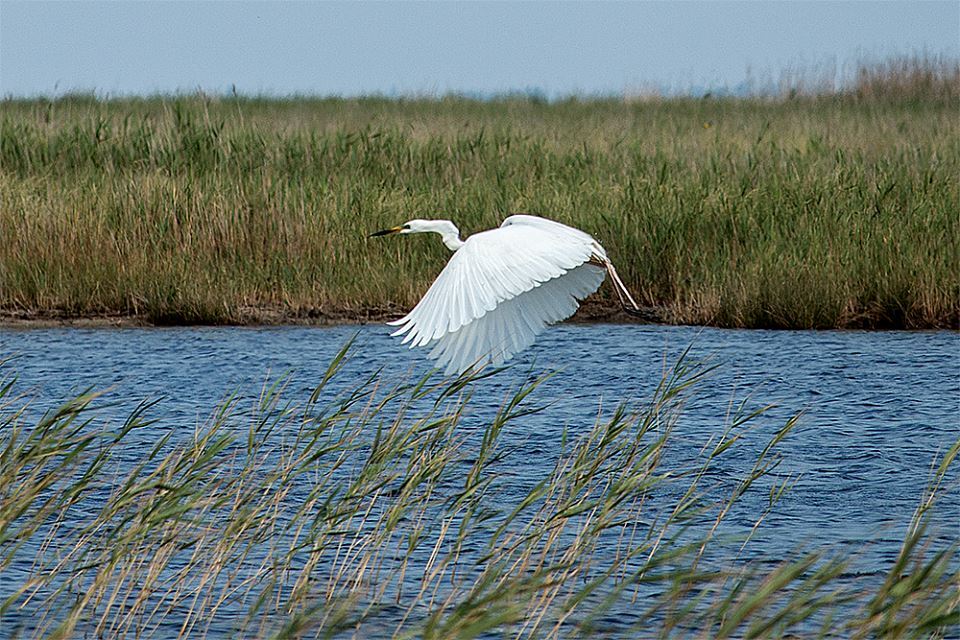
x: 375, y: 512
x: 806, y: 210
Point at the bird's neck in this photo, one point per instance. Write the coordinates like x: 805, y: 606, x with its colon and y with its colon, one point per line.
x: 448, y: 233
x: 452, y: 240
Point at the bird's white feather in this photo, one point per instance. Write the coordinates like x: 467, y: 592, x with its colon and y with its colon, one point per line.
x: 491, y: 267
x: 515, y: 323
x: 500, y: 289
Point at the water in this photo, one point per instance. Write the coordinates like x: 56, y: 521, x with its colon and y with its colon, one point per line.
x: 878, y: 407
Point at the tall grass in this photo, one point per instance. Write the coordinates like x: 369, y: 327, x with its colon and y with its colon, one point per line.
x: 916, y: 78
x: 374, y: 512
x: 822, y: 211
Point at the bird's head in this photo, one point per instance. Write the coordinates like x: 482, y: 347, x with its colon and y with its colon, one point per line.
x: 447, y: 230
x: 419, y: 226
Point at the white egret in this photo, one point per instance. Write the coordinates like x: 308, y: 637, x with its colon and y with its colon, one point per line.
x: 501, y: 288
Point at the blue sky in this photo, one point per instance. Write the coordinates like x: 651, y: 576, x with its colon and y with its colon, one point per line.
x: 350, y: 48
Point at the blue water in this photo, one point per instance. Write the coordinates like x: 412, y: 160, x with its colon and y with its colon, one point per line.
x: 877, y: 407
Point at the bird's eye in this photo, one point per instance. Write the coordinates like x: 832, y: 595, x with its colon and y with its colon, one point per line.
x: 407, y: 227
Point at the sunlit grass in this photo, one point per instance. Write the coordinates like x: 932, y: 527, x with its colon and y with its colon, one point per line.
x: 376, y: 511
x: 820, y: 211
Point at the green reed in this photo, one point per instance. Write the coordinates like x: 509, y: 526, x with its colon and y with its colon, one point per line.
x: 833, y: 210
x: 376, y: 511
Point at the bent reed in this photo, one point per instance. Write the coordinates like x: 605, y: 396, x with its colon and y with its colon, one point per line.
x: 376, y: 511
x: 806, y: 211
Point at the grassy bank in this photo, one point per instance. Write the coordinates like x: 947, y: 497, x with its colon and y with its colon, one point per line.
x: 837, y: 211
x: 379, y: 512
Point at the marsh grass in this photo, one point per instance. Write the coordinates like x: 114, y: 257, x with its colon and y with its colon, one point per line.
x: 836, y: 210
x: 915, y: 78
x: 375, y: 511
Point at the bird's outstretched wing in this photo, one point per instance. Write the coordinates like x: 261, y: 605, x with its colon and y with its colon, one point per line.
x: 515, y: 323
x: 501, y: 289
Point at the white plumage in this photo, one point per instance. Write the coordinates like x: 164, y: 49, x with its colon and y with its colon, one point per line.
x: 501, y: 288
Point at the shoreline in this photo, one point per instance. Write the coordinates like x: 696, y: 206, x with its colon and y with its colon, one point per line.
x: 589, y: 313
x: 276, y: 317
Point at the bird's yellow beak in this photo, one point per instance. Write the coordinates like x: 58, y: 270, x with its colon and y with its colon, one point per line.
x: 386, y: 232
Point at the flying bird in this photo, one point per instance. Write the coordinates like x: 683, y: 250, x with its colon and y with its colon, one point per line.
x: 501, y: 288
